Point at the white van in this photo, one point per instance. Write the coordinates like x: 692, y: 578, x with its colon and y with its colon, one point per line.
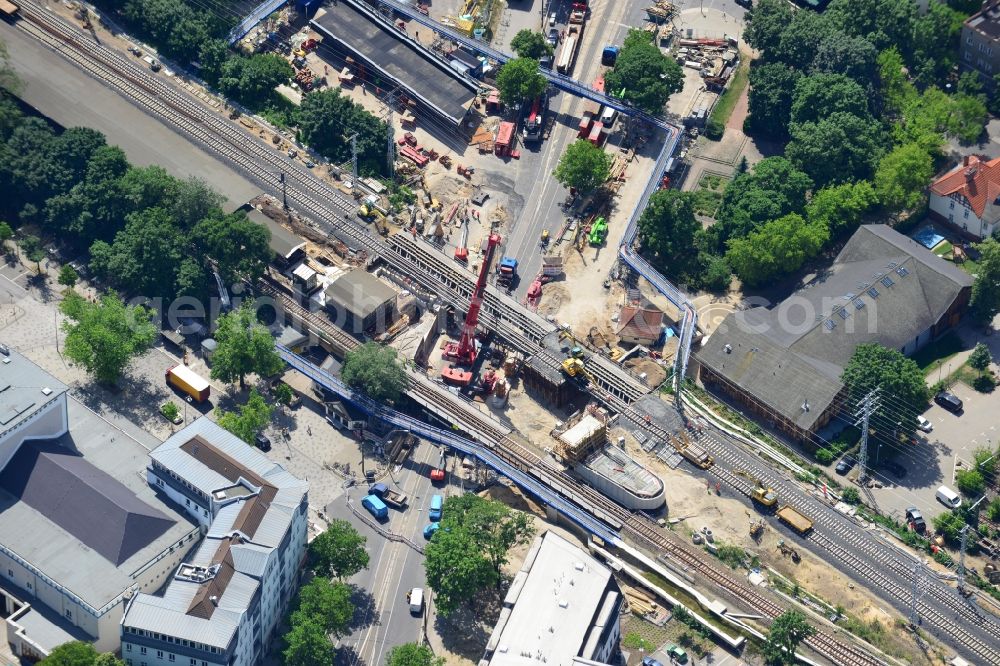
x: 609, y: 116
x: 948, y: 497
x: 416, y: 600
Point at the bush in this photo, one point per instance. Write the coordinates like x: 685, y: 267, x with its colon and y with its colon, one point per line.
x: 970, y: 482
x: 714, y: 129
x: 851, y: 495
x: 993, y: 510
x: 169, y: 411
x: 825, y: 456
x: 984, y: 383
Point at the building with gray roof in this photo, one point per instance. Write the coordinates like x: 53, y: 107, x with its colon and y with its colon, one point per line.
x: 223, y: 604
x: 79, y: 530
x: 562, y: 606
x: 784, y: 363
x: 358, y: 302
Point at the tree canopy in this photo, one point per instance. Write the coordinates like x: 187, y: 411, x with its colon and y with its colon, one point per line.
x: 328, y: 119
x: 240, y: 247
x: 787, y: 631
x: 376, y: 370
x: 647, y: 77
x: 985, y: 301
x: 583, y: 166
x: 105, y: 336
x: 244, y: 346
x: 250, y: 419
x: 776, y: 248
x: 339, y: 551
x: 80, y: 653
x: 902, y: 176
x: 327, y: 603
x: 307, y: 644
x: 530, y: 44
x: 899, y: 381
x: 839, y: 148
x: 252, y: 79
x: 668, y: 227
x: 412, y: 654
x: 519, y: 80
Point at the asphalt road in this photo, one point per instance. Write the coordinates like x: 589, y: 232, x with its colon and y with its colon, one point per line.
x: 57, y: 88
x: 383, y: 619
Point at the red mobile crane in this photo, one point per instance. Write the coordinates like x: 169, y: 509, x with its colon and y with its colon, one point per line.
x: 463, y: 352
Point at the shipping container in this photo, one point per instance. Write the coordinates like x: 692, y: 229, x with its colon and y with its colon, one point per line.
x: 187, y: 381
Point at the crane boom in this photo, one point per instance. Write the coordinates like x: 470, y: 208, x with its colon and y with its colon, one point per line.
x: 464, y: 351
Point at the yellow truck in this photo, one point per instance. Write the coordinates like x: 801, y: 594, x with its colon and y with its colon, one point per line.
x: 797, y: 521
x: 187, y: 381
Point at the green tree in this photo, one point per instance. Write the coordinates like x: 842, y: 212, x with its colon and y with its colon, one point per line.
x: 787, y: 631
x: 252, y: 79
x: 985, y: 301
x: 876, y: 367
x: 250, y: 420
x: 970, y: 482
x: 772, y: 89
x: 327, y: 120
x: 327, y: 603
x: 993, y: 509
x: 820, y: 95
x: 283, y: 394
x: 493, y: 526
x: 457, y: 569
x: 8, y: 77
x: 840, y: 208
x: 530, y: 44
x: 308, y: 645
x: 6, y: 233
x: 766, y: 23
x: 212, y: 57
x: 108, y: 659
x: 800, y: 40
x: 339, y: 551
x: 145, y: 254
x: 104, y: 337
x: 772, y: 189
x: 31, y: 246
x: 412, y: 654
x: 777, y: 248
x: 376, y: 370
x: 839, y: 148
x: 985, y: 460
x: 68, y: 277
x: 851, y: 495
x: 519, y: 80
x: 583, y: 166
x: 854, y: 57
x: 245, y: 347
x: 902, y: 177
x: 980, y: 358
x: 73, y: 653
x: 668, y: 227
x: 239, y: 246
x: 647, y: 76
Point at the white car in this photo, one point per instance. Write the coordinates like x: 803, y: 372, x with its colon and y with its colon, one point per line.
x: 924, y: 424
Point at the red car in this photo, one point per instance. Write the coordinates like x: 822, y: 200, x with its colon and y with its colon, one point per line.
x: 437, y: 475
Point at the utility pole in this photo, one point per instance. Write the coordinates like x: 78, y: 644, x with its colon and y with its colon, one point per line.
x: 867, y: 408
x: 961, y: 560
x: 917, y: 592
x: 354, y: 157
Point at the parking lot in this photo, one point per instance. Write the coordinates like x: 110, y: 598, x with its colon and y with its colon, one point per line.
x: 938, y: 454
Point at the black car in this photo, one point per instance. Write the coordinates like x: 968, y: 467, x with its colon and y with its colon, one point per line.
x: 895, y: 468
x: 845, y: 465
x: 553, y: 37
x: 263, y: 443
x: 915, y: 518
x: 745, y: 3
x: 949, y: 401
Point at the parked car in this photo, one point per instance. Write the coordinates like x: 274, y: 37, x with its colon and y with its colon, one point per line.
x: 263, y: 443
x: 923, y: 424
x: 748, y: 4
x: 894, y: 468
x: 949, y: 401
x: 649, y: 661
x: 430, y: 529
x: 553, y: 37
x: 677, y: 654
x: 915, y: 518
x: 845, y: 465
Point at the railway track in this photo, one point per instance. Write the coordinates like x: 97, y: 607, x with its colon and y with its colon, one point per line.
x: 523, y: 329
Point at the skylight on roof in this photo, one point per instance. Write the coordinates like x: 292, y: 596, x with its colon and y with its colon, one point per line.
x: 887, y: 281
x: 844, y: 314
x: 858, y: 304
x: 902, y: 271
x: 830, y: 324
x: 873, y: 292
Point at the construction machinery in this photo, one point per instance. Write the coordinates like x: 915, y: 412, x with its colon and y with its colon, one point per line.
x: 534, y: 122
x: 464, y: 352
x: 797, y: 521
x: 598, y: 231
x: 507, y: 272
x: 788, y: 551
x: 692, y: 452
x: 574, y: 368
x: 764, y: 496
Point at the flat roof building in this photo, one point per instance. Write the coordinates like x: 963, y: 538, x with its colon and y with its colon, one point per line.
x: 286, y: 246
x: 80, y: 532
x: 358, y: 302
x: 562, y: 606
x: 222, y: 605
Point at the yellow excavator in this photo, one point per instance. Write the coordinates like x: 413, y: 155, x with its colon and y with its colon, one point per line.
x: 764, y: 496
x: 574, y: 368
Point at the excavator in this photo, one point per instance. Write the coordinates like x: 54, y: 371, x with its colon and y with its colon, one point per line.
x: 764, y: 496
x: 464, y: 352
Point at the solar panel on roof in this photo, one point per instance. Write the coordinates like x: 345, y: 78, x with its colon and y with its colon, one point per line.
x: 830, y: 324
x: 858, y: 304
x: 887, y: 281
x: 873, y: 292
x: 902, y: 271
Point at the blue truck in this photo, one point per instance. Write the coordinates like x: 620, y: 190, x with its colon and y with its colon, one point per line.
x: 507, y: 272
x: 375, y: 506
